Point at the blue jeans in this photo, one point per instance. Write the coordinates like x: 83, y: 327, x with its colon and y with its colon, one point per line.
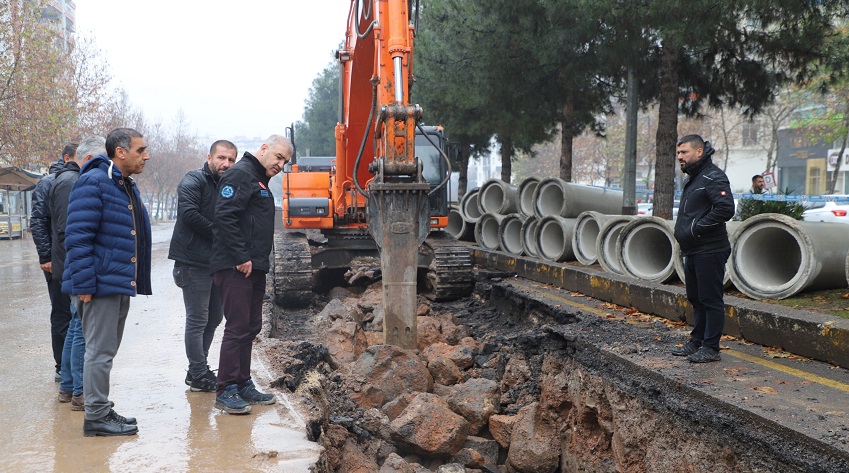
x: 73, y: 356
x: 203, y: 313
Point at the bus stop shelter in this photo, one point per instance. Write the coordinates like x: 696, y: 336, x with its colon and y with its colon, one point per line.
x: 16, y: 186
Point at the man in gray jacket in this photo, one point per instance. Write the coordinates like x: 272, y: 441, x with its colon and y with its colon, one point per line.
x: 191, y: 247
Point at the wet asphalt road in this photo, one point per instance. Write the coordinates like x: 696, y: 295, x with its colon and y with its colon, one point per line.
x: 179, y: 431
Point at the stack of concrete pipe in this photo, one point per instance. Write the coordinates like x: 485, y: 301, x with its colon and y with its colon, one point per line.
x: 731, y: 227
x: 463, y: 220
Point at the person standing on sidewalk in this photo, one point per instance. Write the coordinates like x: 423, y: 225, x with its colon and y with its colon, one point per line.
x: 191, y: 246
x: 243, y: 234
x: 108, y: 240
x: 42, y: 234
x: 706, y: 204
x: 71, y: 385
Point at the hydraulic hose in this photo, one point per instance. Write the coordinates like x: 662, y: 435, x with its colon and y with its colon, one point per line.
x: 365, y: 138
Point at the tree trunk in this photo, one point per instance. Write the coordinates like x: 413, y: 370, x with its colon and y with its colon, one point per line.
x: 506, y: 158
x: 667, y: 134
x: 465, y: 152
x: 567, y: 133
x: 832, y: 183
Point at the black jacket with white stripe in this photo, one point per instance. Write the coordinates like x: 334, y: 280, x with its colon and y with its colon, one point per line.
x: 706, y: 204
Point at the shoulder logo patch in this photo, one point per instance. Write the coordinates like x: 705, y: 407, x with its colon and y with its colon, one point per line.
x: 227, y: 192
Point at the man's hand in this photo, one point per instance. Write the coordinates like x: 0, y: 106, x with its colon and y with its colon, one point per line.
x: 48, y: 266
x: 246, y: 268
x: 85, y: 297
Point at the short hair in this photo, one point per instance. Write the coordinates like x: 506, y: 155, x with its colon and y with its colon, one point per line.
x: 120, y: 137
x: 223, y: 144
x: 756, y: 177
x: 91, y: 145
x: 278, y: 140
x: 695, y: 141
x: 69, y: 150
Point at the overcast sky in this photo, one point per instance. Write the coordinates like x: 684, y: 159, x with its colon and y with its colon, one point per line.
x: 235, y: 67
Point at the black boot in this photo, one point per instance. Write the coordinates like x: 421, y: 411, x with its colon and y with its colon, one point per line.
x: 108, y: 426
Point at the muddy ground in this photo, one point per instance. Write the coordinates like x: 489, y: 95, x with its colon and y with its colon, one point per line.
x: 547, y: 388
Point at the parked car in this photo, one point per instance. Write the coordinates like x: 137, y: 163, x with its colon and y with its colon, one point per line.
x: 837, y: 212
x: 644, y: 209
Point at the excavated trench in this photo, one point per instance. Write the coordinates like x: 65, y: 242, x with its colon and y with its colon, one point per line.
x: 514, y: 383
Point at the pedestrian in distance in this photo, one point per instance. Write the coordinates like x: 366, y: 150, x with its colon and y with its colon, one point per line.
x: 706, y: 204
x: 108, y: 240
x: 243, y: 234
x: 42, y: 234
x: 191, y: 247
x: 71, y: 385
x: 758, y: 185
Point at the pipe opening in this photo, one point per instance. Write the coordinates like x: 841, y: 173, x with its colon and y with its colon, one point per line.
x: 550, y: 199
x: 492, y: 198
x: 551, y: 240
x: 455, y: 224
x: 526, y: 198
x: 528, y: 237
x: 587, y: 235
x: 511, y: 236
x: 489, y: 233
x: 769, y: 258
x: 647, y: 252
x: 470, y: 207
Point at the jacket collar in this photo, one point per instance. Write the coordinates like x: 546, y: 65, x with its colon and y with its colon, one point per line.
x: 258, y: 167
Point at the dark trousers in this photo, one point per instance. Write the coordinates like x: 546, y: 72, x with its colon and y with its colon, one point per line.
x: 60, y: 315
x: 704, y: 274
x: 203, y: 313
x: 242, y: 301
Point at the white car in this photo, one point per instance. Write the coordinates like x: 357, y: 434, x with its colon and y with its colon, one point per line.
x: 837, y: 212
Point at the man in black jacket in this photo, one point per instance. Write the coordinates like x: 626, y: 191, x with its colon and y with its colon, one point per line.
x: 243, y: 234
x: 706, y: 204
x: 71, y: 385
x: 191, y: 246
x: 40, y: 226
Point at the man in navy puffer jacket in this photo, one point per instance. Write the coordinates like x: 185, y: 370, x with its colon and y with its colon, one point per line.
x: 107, y: 239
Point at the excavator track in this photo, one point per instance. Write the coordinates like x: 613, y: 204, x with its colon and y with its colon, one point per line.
x: 293, y: 275
x: 449, y: 275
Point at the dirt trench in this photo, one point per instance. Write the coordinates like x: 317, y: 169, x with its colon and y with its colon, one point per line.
x: 513, y: 385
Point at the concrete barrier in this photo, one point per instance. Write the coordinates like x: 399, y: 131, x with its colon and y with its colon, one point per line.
x: 774, y: 256
x: 554, y: 238
x: 645, y: 249
x: 608, y: 236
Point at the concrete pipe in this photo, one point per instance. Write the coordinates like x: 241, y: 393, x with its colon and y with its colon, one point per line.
x: 774, y: 256
x: 460, y: 228
x: 605, y: 248
x: 510, y: 234
x: 731, y: 227
x: 497, y: 197
x: 486, y: 231
x: 529, y: 243
x: 554, y: 196
x: 584, y: 240
x: 554, y: 238
x: 469, y: 206
x: 645, y: 249
x: 526, y: 196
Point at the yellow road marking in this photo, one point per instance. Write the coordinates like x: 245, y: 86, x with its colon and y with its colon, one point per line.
x: 743, y: 356
x: 791, y: 371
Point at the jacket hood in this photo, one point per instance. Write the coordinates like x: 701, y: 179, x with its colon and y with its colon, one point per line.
x: 69, y: 166
x: 56, y: 166
x: 102, y: 162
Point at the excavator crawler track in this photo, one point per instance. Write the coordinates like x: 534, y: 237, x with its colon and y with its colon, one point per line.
x: 293, y: 275
x: 449, y: 275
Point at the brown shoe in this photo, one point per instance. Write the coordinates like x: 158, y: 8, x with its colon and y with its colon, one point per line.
x: 65, y: 396
x: 78, y: 403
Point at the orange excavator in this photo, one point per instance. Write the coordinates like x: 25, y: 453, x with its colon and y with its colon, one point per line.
x: 383, y: 197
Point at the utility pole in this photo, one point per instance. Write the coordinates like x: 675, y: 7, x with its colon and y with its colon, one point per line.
x: 629, y: 178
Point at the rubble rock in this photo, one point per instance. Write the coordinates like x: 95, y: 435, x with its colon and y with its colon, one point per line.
x: 501, y: 428
x: 345, y: 341
x: 355, y: 461
x: 376, y: 422
x: 429, y: 427
x: 334, y: 310
x: 476, y: 400
x: 472, y: 344
x: 516, y: 372
x: 395, y: 407
x: 396, y: 464
x: 384, y: 372
x: 487, y: 448
x: 423, y: 310
x: 428, y: 330
x: 443, y: 370
x: 469, y: 458
x: 451, y: 468
x: 452, y: 332
x: 535, y: 443
x: 333, y: 440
